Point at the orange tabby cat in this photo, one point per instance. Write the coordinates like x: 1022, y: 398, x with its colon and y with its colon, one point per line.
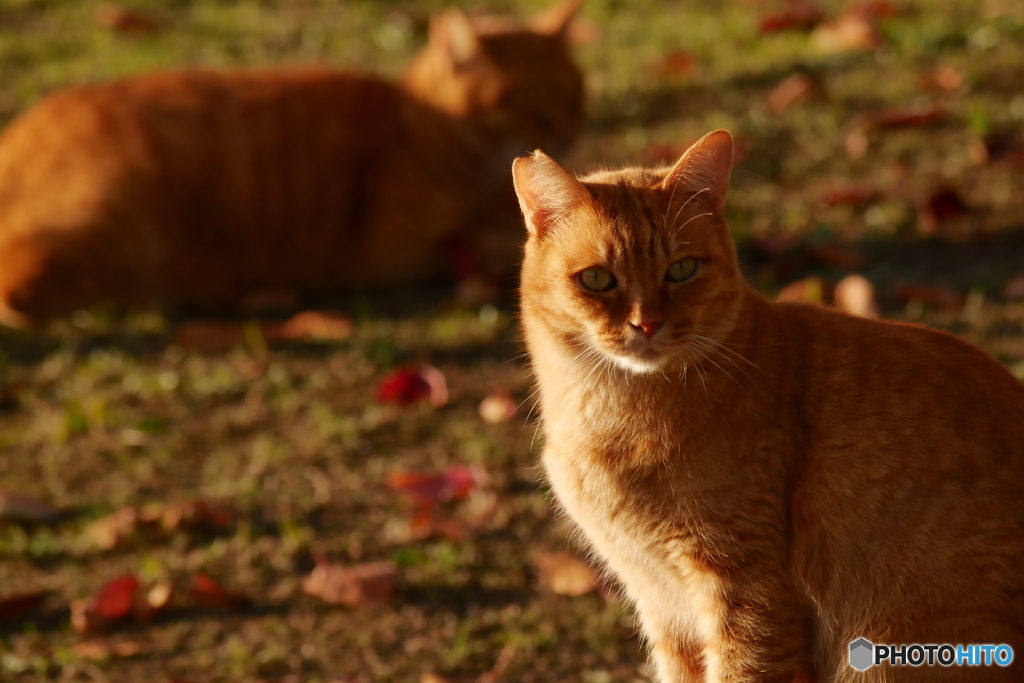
x: 199, y: 186
x: 770, y: 481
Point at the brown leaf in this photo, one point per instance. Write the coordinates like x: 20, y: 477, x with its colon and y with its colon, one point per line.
x: 99, y: 650
x: 908, y: 116
x: 932, y: 295
x: 317, y: 325
x: 352, y: 586
x: 564, y: 574
x: 1013, y: 290
x: 809, y: 290
x: 25, y: 509
x: 498, y: 407
x: 799, y: 87
x: 851, y: 195
x: 855, y: 295
x: 124, y: 20
x: 674, y: 63
x: 17, y: 607
x: 206, y: 592
x: 799, y: 16
x: 848, y: 33
x: 107, y: 532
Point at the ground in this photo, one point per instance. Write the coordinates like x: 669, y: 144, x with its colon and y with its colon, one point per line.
x: 100, y: 412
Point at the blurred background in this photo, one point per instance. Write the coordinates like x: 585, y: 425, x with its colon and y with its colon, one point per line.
x: 223, y: 501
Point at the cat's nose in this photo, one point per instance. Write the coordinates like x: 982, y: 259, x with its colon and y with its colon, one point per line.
x: 648, y: 327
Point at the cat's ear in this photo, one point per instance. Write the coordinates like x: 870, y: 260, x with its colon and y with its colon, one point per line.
x: 454, y: 34
x: 556, y: 20
x: 547, y: 192
x: 704, y: 168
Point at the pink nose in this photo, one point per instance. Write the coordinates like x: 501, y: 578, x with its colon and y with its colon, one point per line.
x: 649, y: 328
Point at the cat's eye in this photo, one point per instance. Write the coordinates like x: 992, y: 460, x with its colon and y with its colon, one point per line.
x: 681, y: 271
x: 597, y: 279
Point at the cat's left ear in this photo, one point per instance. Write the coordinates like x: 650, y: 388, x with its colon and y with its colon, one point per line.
x: 454, y: 34
x: 557, y: 20
x: 547, y: 192
x: 705, y: 167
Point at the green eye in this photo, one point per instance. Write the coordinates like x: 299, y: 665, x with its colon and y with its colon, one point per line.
x: 597, y: 279
x: 681, y: 271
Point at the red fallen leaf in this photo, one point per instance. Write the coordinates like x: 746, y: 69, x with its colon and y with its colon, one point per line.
x: 855, y: 295
x: 564, y: 574
x: 904, y: 117
x: 352, y: 586
x: 25, y: 509
x: 124, y: 20
x: 851, y: 195
x: 675, y: 63
x: 848, y: 33
x: 455, y: 483
x: 107, y: 532
x: 933, y: 295
x: 111, y: 603
x: 877, y: 9
x: 206, y: 592
x: 317, y: 325
x: 498, y: 407
x: 1014, y: 288
x: 800, y: 16
x: 797, y: 88
x: 412, y: 384
x: 809, y: 290
x: 942, y: 206
x: 17, y: 607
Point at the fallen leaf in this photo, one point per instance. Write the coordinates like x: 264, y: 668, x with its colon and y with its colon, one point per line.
x: 1013, y: 290
x: 856, y: 295
x: 564, y: 574
x: 799, y: 87
x: 943, y: 205
x: 848, y: 33
x: 808, y: 290
x: 206, y: 592
x: 906, y: 117
x: 107, y: 532
x: 413, y: 384
x: 932, y: 295
x: 317, y: 325
x: 111, y: 603
x: 851, y: 195
x: 147, y: 606
x: 99, y: 650
x: 124, y: 20
x: 498, y: 407
x: 943, y: 78
x: 800, y: 16
x: 25, y: 509
x: 856, y: 141
x: 198, y: 514
x: 453, y: 484
x: 17, y: 607
x: 674, y: 63
x: 877, y: 9
x: 352, y: 586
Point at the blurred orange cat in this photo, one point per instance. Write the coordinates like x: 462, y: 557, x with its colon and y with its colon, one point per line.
x: 770, y: 481
x: 199, y: 187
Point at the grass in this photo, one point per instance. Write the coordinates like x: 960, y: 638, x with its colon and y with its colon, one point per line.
x: 105, y: 411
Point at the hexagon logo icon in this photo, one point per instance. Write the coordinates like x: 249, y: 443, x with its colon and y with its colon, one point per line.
x: 862, y: 654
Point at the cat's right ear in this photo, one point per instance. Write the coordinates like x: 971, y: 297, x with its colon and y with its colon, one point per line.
x: 453, y: 33
x: 547, y: 192
x: 704, y: 168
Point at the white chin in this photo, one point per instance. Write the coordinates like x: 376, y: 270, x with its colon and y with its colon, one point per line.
x: 638, y: 365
